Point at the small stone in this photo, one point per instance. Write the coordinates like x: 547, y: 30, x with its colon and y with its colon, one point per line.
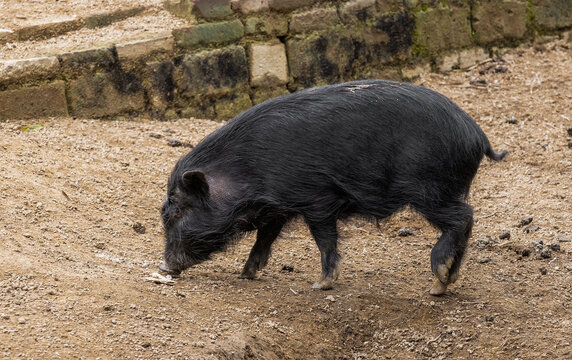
x: 483, y: 260
x: 562, y: 238
x: 546, y: 253
x: 100, y: 246
x: 512, y: 121
x: 288, y: 268
x: 525, y: 221
x: 405, y: 232
x: 555, y: 246
x: 569, y: 131
x: 538, y: 244
x: 331, y: 298
x: 156, y: 135
x: 505, y: 235
x: 174, y: 143
x: 525, y: 252
x: 531, y: 228
x: 139, y: 228
x: 21, y: 320
x: 543, y: 270
x: 489, y: 318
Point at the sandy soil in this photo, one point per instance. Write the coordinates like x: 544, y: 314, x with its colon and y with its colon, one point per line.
x: 80, y: 233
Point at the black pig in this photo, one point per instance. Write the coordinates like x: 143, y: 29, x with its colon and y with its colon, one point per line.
x: 365, y: 148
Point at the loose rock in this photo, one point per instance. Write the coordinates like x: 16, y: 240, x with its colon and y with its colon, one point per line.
x: 288, y: 268
x: 505, y: 235
x: 555, y: 246
x: 543, y: 271
x: 531, y: 228
x: 525, y: 221
x: 139, y: 228
x: 562, y: 238
x: 546, y: 253
x: 512, y: 121
x: 405, y: 232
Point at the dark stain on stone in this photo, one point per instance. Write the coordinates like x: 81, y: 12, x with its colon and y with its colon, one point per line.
x: 163, y: 80
x: 399, y: 27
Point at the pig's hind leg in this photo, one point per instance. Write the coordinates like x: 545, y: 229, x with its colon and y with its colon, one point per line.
x: 455, y: 220
x: 326, y: 236
x: 260, y: 252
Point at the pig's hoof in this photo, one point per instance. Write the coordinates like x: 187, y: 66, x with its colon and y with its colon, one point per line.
x: 247, y: 274
x: 443, y: 271
x: 322, y: 285
x: 165, y: 268
x: 438, y: 287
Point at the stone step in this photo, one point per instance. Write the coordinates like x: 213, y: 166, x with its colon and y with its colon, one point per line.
x: 101, y: 30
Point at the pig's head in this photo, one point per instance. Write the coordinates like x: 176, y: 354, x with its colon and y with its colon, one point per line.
x: 198, y: 218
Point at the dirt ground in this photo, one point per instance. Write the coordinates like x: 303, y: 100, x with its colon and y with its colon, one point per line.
x: 80, y: 233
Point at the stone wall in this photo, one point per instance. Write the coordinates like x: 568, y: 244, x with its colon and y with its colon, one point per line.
x: 242, y: 52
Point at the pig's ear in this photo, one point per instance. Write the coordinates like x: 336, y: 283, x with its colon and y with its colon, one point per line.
x: 194, y: 182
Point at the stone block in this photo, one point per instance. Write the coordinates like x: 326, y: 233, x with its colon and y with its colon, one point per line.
x: 48, y: 30
x: 497, y: 21
x: 442, y: 29
x: 320, y: 58
x: 410, y: 73
x: 7, y: 35
x: 213, y: 9
x: 288, y: 5
x: 34, y: 102
x: 268, y: 65
x: 249, y: 6
x: 357, y: 11
x: 180, y: 8
x: 35, y: 68
x: 270, y: 24
x: 107, y: 18
x: 162, y: 90
x: 79, y: 61
x: 448, y: 62
x: 398, y: 28
x: 315, y: 19
x: 212, y: 73
x: 211, y: 33
x: 228, y: 108
x: 142, y: 48
x: 470, y: 57
x: 104, y: 95
x: 552, y: 14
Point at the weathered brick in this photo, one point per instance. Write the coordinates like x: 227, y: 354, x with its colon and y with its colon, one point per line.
x: 78, y: 61
x: 357, y: 11
x: 141, y: 48
x: 287, y: 5
x: 34, y: 102
x: 7, y: 35
x: 105, y: 94
x: 108, y: 18
x: 494, y: 21
x: 437, y: 30
x: 48, y: 30
x: 269, y: 24
x: 552, y: 14
x: 211, y: 33
x: 180, y: 8
x: 213, y: 9
x: 320, y: 58
x: 213, y: 72
x: 35, y: 68
x: 249, y: 6
x: 268, y: 65
x: 448, y: 62
x: 470, y: 57
x: 315, y: 19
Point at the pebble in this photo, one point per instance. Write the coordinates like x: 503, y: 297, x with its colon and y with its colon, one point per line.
x: 483, y: 260
x: 525, y: 221
x: 562, y: 238
x: 525, y: 252
x: 555, y: 246
x: 288, y: 268
x: 539, y: 244
x: 331, y: 298
x: 21, y: 320
x: 543, y: 271
x: 570, y: 131
x: 505, y: 235
x: 139, y: 228
x: 100, y: 246
x: 546, y: 253
x: 156, y: 135
x: 512, y: 121
x: 405, y: 232
x: 531, y: 228
x: 174, y: 143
